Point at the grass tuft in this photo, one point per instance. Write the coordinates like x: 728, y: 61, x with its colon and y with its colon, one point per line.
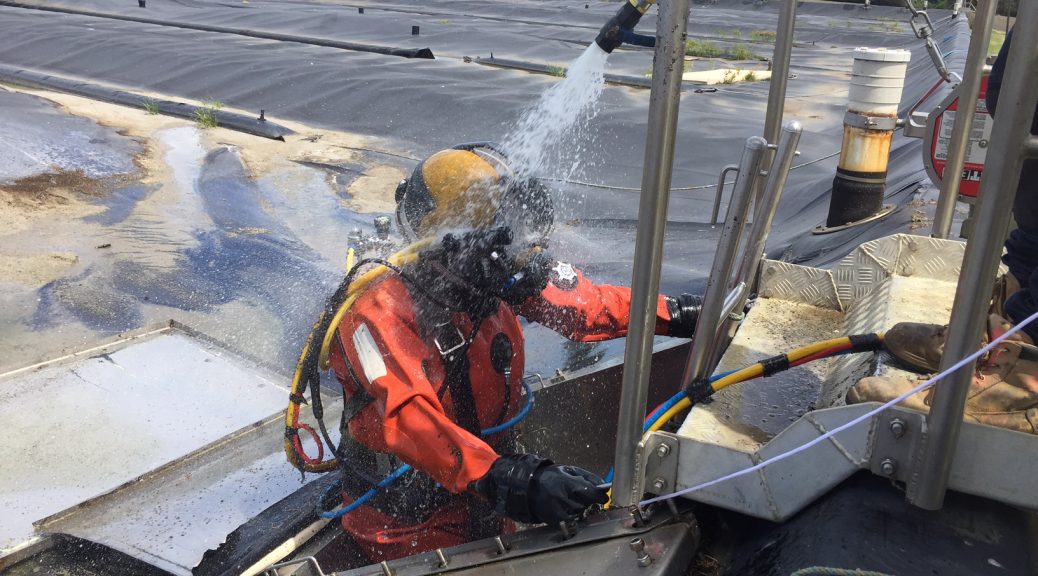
x: 151, y: 107
x: 702, y: 48
x: 205, y: 115
x: 559, y: 71
x: 763, y: 35
x: 742, y: 52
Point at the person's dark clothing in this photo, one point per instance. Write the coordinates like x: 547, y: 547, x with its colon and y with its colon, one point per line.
x: 1022, y: 245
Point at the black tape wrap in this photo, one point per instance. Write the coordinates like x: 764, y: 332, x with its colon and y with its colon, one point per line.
x: 699, y: 391
x: 865, y: 342
x: 774, y: 364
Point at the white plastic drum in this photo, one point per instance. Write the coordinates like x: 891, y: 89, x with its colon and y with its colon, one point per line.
x: 877, y: 79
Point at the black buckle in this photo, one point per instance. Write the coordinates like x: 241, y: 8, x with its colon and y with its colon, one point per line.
x: 447, y: 341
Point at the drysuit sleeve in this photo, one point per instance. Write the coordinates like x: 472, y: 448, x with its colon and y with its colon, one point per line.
x: 581, y: 310
x: 386, y: 352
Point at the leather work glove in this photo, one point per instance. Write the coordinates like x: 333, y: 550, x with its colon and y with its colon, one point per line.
x: 532, y: 279
x: 684, y: 312
x: 533, y: 490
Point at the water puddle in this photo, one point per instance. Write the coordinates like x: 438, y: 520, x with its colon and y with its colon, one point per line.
x: 246, y: 261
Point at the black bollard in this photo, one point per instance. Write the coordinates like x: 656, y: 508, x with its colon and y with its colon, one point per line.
x: 414, y: 30
x: 140, y: 3
x: 360, y: 10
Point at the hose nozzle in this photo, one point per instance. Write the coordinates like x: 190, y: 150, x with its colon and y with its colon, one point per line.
x: 620, y: 28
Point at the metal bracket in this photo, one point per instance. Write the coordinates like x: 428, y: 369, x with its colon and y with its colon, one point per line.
x: 916, y: 125
x: 661, y: 463
x: 897, y: 438
x: 869, y: 122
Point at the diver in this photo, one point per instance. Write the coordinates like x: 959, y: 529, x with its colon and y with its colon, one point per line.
x: 432, y: 355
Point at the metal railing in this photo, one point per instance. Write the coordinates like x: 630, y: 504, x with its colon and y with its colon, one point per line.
x: 968, y: 91
x: 648, y: 247
x: 1011, y: 143
x: 727, y: 296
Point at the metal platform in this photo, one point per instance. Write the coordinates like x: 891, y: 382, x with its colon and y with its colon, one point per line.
x: 157, y: 445
x: 883, y: 282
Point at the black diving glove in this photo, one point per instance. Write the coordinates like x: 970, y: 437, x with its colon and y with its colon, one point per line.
x: 533, y: 490
x: 530, y: 281
x: 684, y: 312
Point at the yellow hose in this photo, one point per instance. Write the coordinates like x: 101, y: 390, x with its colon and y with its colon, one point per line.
x: 746, y: 374
x: 405, y: 256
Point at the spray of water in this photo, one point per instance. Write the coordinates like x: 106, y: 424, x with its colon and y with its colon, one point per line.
x: 550, y: 138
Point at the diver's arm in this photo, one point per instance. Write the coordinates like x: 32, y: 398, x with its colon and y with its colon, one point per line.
x: 579, y: 309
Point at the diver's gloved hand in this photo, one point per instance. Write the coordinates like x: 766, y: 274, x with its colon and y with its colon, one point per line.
x: 531, y: 279
x: 530, y: 489
x: 684, y: 312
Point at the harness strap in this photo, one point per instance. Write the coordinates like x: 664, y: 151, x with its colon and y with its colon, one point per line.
x: 456, y: 377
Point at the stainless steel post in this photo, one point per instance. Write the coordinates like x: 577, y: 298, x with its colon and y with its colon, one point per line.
x: 724, y: 261
x: 1009, y: 140
x: 968, y: 90
x: 667, y: 67
x: 779, y: 73
x: 765, y: 210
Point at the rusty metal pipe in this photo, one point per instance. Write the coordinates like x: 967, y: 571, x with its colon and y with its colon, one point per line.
x: 878, y: 78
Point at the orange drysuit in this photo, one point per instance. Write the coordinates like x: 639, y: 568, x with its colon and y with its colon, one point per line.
x: 397, y: 357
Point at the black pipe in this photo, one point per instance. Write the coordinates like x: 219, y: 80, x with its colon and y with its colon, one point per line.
x: 856, y: 196
x: 327, y: 43
x: 234, y: 121
x: 631, y: 81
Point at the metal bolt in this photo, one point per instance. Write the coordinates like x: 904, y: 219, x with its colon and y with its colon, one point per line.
x: 501, y: 548
x: 897, y: 427
x: 888, y: 466
x: 385, y: 569
x: 444, y: 561
x: 662, y: 450
x: 636, y: 513
x: 638, y: 547
x: 659, y: 485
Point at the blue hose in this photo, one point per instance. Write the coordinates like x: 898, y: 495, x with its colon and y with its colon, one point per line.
x: 396, y: 474
x: 662, y: 408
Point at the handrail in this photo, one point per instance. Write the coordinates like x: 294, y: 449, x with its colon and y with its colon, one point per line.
x: 648, y: 247
x: 1011, y: 143
x: 697, y: 366
x: 968, y: 91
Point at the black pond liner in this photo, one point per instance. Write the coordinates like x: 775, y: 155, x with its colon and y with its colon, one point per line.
x: 387, y: 50
x: 224, y: 119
